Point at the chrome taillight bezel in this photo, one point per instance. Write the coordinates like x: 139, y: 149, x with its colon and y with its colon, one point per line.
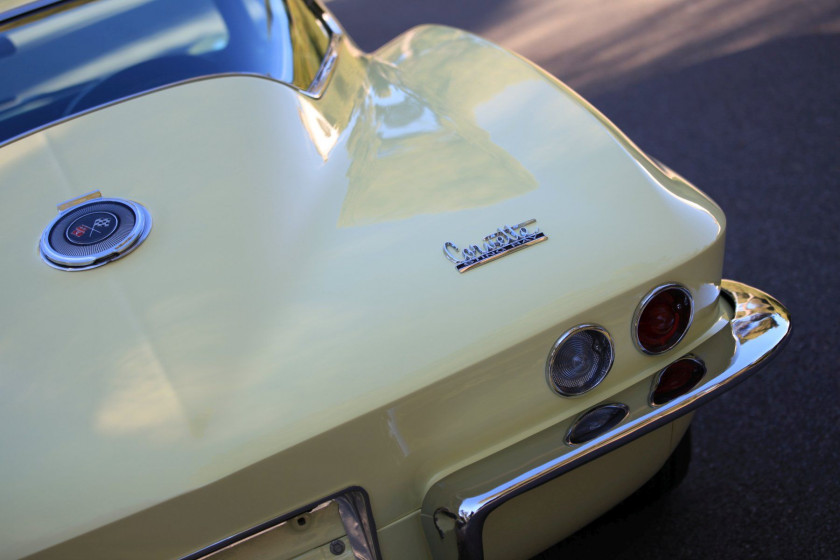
x: 559, y: 343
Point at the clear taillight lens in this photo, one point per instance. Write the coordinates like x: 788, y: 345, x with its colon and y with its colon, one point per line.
x: 579, y: 360
x: 662, y: 319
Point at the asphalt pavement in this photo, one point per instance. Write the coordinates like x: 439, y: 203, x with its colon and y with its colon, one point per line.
x: 743, y: 99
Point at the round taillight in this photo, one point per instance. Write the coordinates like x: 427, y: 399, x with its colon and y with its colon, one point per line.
x: 596, y: 421
x: 579, y: 360
x: 677, y: 379
x: 662, y: 318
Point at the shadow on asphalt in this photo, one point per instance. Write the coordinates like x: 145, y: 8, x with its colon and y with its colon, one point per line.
x: 595, y: 47
x: 372, y: 23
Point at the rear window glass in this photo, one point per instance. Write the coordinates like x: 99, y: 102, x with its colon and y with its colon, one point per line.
x: 62, y: 60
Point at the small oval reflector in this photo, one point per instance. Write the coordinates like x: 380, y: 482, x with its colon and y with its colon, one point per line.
x: 677, y: 379
x: 596, y: 421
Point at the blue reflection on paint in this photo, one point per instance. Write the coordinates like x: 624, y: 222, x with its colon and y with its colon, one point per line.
x: 97, y: 52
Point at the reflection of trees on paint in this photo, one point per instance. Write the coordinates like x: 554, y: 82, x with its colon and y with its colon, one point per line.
x: 416, y: 147
x: 755, y: 326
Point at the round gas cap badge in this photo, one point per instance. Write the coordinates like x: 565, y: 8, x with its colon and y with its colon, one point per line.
x: 93, y: 233
x: 91, y: 228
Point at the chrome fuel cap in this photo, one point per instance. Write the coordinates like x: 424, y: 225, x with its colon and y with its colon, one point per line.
x: 93, y: 231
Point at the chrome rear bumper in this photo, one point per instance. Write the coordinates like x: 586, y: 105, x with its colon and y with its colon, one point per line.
x: 456, y: 507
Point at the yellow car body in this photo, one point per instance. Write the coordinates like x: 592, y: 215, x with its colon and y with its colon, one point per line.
x: 291, y: 334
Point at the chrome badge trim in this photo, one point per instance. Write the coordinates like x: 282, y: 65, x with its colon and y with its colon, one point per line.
x: 113, y: 244
x: 502, y: 242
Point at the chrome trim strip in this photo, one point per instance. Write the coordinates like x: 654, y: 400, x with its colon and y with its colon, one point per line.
x: 658, y: 376
x: 634, y: 327
x: 325, y: 72
x: 148, y: 92
x: 315, y: 90
x: 456, y: 507
x: 26, y: 8
x: 565, y: 336
x: 354, y: 509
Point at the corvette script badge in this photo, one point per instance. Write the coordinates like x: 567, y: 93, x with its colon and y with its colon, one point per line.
x: 503, y: 241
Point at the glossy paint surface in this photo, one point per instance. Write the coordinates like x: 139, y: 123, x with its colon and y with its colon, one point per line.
x: 291, y: 327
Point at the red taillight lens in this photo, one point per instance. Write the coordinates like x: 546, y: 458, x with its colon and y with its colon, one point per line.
x: 663, y: 319
x: 677, y: 379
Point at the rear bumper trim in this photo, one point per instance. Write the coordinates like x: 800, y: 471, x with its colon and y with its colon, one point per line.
x: 456, y: 507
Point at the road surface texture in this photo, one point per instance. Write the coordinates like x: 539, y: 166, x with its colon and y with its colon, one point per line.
x: 743, y: 99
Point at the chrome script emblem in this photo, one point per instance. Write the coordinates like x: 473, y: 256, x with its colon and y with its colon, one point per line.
x: 503, y: 241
